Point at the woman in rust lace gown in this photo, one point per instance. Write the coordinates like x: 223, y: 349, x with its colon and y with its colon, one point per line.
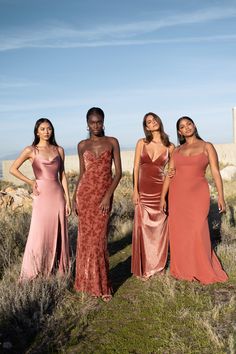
x: 150, y: 231
x: 93, y: 199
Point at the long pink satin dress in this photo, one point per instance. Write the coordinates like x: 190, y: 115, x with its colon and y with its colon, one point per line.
x: 47, y: 245
x: 92, y: 261
x: 150, y: 229
x: 191, y: 254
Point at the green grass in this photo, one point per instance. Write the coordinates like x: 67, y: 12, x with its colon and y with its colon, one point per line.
x: 161, y: 315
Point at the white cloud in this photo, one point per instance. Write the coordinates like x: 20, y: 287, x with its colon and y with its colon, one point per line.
x: 62, y: 36
x: 125, y: 97
x: 8, y: 83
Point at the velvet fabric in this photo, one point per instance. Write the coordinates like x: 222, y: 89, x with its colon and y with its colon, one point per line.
x: 150, y: 229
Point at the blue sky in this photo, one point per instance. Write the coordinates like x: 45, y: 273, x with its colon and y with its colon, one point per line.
x: 59, y: 58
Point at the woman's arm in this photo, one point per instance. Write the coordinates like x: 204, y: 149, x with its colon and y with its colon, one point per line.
x: 64, y: 182
x: 215, y: 171
x: 105, y: 203
x: 80, y: 150
x: 138, y: 151
x: 166, y: 184
x: 171, y: 171
x: 26, y: 154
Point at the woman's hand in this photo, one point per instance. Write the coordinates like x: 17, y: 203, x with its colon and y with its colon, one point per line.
x: 105, y: 205
x: 163, y: 205
x: 171, y: 172
x: 135, y: 197
x: 221, y: 205
x: 68, y: 209
x: 74, y: 206
x: 35, y: 188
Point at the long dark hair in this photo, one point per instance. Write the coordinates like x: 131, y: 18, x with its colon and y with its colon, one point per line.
x: 97, y: 112
x: 181, y: 138
x: 164, y: 137
x: 52, y: 139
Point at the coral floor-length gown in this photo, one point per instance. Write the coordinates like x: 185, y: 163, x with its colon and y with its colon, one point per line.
x: 150, y: 229
x: 47, y: 244
x: 92, y: 261
x: 191, y: 254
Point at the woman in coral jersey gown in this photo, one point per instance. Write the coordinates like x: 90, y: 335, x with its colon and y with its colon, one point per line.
x: 191, y: 254
x: 93, y: 199
x: 150, y: 231
x: 47, y: 246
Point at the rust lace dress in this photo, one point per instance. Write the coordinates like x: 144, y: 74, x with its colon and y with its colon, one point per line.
x: 92, y: 262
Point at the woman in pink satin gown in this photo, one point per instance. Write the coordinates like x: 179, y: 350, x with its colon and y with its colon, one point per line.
x: 47, y: 246
x: 191, y: 254
x: 92, y: 203
x: 150, y: 231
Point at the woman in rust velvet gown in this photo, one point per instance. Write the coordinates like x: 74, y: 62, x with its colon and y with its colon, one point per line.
x: 93, y: 199
x: 150, y: 231
x: 47, y: 246
x: 191, y: 254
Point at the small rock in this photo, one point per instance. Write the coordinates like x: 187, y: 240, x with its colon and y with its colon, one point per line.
x: 7, y: 345
x: 228, y: 173
x: 10, y: 190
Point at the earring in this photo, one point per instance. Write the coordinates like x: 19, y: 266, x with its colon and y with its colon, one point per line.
x: 103, y: 127
x: 87, y: 128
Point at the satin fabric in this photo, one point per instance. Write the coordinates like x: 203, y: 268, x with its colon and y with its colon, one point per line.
x: 92, y: 261
x: 150, y: 229
x: 47, y: 244
x: 191, y: 254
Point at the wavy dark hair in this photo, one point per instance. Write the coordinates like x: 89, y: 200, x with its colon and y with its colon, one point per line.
x: 52, y: 139
x: 164, y: 137
x: 97, y: 112
x: 181, y: 138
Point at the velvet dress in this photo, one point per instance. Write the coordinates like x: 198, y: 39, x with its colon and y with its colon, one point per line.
x: 92, y: 261
x: 150, y: 229
x: 191, y: 254
x: 47, y: 245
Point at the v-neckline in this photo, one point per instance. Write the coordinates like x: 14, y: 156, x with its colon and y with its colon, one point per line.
x: 155, y: 158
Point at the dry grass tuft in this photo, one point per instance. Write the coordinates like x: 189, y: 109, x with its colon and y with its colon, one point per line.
x: 25, y: 307
x: 13, y: 234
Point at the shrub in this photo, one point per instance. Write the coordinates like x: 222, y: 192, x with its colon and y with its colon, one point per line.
x: 14, y: 228
x: 25, y: 307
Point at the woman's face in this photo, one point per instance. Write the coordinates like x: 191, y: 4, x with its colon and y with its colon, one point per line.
x: 95, y: 125
x: 151, y: 123
x: 44, y: 131
x: 186, y: 128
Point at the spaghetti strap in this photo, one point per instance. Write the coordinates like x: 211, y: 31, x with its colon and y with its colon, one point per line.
x: 34, y: 152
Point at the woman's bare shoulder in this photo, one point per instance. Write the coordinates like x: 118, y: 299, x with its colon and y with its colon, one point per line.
x: 60, y: 149
x: 171, y: 147
x: 28, y: 150
x: 112, y: 139
x: 82, y: 143
x: 141, y: 142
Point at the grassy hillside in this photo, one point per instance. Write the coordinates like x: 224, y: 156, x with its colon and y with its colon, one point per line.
x: 161, y: 315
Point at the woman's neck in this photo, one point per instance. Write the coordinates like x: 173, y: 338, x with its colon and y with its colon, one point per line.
x: 156, y: 137
x: 191, y: 140
x: 43, y: 143
x: 96, y: 137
